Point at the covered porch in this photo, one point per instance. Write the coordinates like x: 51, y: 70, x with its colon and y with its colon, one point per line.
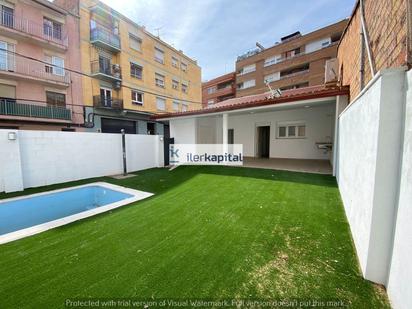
x: 294, y: 132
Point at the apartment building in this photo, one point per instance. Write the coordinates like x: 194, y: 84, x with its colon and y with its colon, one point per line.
x: 133, y: 74
x: 38, y: 40
x: 294, y: 62
x: 219, y: 89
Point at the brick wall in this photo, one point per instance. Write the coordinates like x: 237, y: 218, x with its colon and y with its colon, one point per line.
x: 387, y: 26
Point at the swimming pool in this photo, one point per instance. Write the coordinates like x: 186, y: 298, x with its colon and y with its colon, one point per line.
x: 28, y: 215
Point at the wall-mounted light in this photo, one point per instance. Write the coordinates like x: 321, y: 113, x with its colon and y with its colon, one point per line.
x: 12, y: 136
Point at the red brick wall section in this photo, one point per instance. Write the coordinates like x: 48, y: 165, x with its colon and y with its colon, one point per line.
x: 387, y: 26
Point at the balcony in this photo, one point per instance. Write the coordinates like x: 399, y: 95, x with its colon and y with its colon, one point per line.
x: 294, y: 74
x: 22, y: 28
x: 104, y: 38
x: 106, y: 71
x: 19, y: 68
x: 107, y: 103
x: 9, y: 107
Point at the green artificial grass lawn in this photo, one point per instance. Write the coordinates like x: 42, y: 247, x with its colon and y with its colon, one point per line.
x: 208, y: 233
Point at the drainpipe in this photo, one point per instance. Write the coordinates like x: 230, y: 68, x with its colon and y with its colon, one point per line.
x: 364, y: 30
x: 362, y: 61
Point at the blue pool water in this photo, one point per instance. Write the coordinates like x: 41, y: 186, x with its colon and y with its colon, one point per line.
x: 31, y: 211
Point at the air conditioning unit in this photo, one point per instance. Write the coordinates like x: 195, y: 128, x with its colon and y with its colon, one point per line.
x: 117, y: 85
x: 116, y: 70
x: 331, y: 70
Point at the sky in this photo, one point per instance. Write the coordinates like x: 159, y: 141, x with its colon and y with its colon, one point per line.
x: 215, y: 32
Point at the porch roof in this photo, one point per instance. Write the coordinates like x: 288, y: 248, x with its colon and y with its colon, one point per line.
x: 288, y: 96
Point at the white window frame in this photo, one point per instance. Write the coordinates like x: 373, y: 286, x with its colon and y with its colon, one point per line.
x: 157, y: 57
x: 273, y: 77
x: 160, y: 82
x: 272, y: 60
x: 183, y: 66
x: 175, y: 62
x: 248, y: 69
x: 248, y: 85
x: 159, y: 99
x: 175, y: 84
x: 137, y: 102
x: 58, y: 66
x: 137, y: 40
x: 185, y: 88
x: 288, y: 125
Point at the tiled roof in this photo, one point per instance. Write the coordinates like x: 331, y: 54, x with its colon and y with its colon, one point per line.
x: 293, y: 95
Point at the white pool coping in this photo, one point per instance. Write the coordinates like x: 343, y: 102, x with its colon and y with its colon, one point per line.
x: 136, y: 196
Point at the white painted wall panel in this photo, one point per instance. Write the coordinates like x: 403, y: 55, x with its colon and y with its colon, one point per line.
x: 399, y: 286
x: 49, y: 157
x: 183, y: 130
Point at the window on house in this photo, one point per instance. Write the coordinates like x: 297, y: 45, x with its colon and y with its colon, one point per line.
x: 159, y: 55
x: 161, y: 104
x: 52, y: 29
x: 184, y: 107
x: 176, y: 106
x: 210, y: 102
x: 135, y: 42
x: 184, y: 88
x: 175, y: 62
x: 211, y: 90
x: 55, y: 65
x: 7, y: 16
x: 137, y: 97
x: 136, y: 70
x: 246, y: 84
x: 292, y: 131
x: 183, y: 66
x: 159, y: 80
x: 272, y: 77
x: 7, y: 57
x: 7, y: 93
x: 272, y: 60
x: 55, y: 99
x: 175, y: 84
x: 248, y: 69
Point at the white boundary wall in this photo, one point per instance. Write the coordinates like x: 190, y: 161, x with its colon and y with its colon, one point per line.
x: 38, y: 158
x: 374, y: 174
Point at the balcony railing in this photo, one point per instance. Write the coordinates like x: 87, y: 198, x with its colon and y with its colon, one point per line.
x: 107, y: 70
x: 32, y: 28
x: 27, y: 68
x: 103, y: 102
x: 10, y: 107
x: 294, y: 74
x: 108, y: 39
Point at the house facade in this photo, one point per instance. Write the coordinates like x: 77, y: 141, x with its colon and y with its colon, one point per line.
x: 38, y: 40
x: 300, y: 124
x: 296, y: 61
x: 131, y: 74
